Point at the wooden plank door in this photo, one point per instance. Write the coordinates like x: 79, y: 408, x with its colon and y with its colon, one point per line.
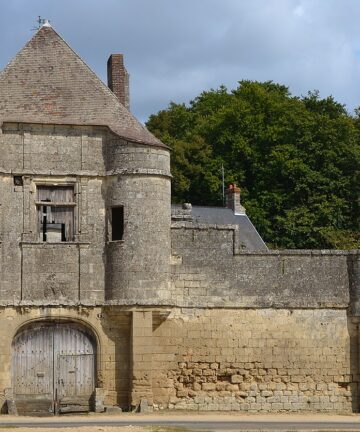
x: 53, y: 369
x: 74, y: 369
x: 32, y: 367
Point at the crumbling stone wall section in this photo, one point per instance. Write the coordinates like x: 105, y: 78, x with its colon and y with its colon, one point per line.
x: 256, y: 360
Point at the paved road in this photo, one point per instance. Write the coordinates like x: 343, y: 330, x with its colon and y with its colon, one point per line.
x: 192, y: 424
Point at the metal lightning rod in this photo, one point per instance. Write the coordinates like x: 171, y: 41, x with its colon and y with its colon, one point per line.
x: 223, y: 184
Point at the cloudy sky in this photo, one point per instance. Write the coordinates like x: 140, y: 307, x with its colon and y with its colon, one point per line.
x: 176, y: 48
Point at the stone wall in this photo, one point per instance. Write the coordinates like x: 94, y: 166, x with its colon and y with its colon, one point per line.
x: 104, y: 171
x: 212, y: 359
x: 256, y: 360
x: 52, y: 148
x: 51, y: 273
x: 124, y: 157
x: 230, y: 330
x: 210, y: 270
x: 138, y: 267
x: 209, y: 267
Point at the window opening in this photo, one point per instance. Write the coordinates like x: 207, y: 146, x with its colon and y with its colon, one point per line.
x: 117, y: 223
x: 55, y: 206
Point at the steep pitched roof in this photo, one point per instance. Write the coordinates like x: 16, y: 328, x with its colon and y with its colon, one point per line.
x: 47, y: 82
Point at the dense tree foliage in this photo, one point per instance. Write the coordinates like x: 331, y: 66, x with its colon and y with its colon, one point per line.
x: 297, y: 160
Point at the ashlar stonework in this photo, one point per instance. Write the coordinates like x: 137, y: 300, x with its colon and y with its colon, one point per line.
x: 110, y: 296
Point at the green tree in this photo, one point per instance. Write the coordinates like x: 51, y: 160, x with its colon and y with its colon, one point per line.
x: 297, y: 160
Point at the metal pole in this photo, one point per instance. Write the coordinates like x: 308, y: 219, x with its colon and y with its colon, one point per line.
x: 223, y: 184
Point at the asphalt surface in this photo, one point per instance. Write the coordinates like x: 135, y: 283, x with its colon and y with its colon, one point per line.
x: 211, y: 422
x: 205, y: 426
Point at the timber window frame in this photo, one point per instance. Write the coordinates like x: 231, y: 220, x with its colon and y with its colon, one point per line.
x: 55, y: 207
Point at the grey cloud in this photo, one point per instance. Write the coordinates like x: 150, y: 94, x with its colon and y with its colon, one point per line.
x: 177, y: 48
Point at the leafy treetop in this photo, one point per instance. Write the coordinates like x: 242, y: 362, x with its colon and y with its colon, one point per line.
x: 297, y: 160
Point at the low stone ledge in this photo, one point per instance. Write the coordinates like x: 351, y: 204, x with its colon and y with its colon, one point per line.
x: 51, y: 244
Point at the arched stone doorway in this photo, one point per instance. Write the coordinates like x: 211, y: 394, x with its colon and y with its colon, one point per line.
x: 53, y: 368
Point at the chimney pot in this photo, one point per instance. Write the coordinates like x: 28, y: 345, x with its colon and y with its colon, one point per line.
x: 118, y: 79
x: 233, y: 199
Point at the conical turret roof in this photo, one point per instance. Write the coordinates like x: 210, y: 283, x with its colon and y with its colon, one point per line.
x: 47, y: 82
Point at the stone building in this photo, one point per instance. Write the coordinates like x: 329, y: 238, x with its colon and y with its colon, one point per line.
x: 110, y: 297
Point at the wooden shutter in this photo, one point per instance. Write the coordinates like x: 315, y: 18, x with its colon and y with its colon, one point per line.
x: 56, y: 214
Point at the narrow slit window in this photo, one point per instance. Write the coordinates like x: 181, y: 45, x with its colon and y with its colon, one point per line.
x: 117, y: 223
x: 55, y: 207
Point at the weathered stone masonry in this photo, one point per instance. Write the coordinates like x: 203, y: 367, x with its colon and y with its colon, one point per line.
x: 189, y: 311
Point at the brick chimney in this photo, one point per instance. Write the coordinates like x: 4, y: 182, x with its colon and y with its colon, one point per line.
x: 233, y: 199
x: 118, y: 79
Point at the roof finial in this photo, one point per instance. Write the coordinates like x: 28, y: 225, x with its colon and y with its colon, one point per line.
x: 42, y: 22
x: 46, y: 23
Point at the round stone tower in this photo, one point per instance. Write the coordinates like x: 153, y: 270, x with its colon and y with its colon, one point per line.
x: 138, y: 199
x: 138, y: 207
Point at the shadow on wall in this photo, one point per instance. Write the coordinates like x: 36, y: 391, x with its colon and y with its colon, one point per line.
x: 3, y: 405
x: 353, y: 265
x: 352, y: 384
x: 115, y: 376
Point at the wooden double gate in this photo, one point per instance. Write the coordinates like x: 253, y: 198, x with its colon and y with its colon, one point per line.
x: 53, y: 369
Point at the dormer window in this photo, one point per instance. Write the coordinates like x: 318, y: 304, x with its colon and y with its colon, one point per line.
x: 55, y: 209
